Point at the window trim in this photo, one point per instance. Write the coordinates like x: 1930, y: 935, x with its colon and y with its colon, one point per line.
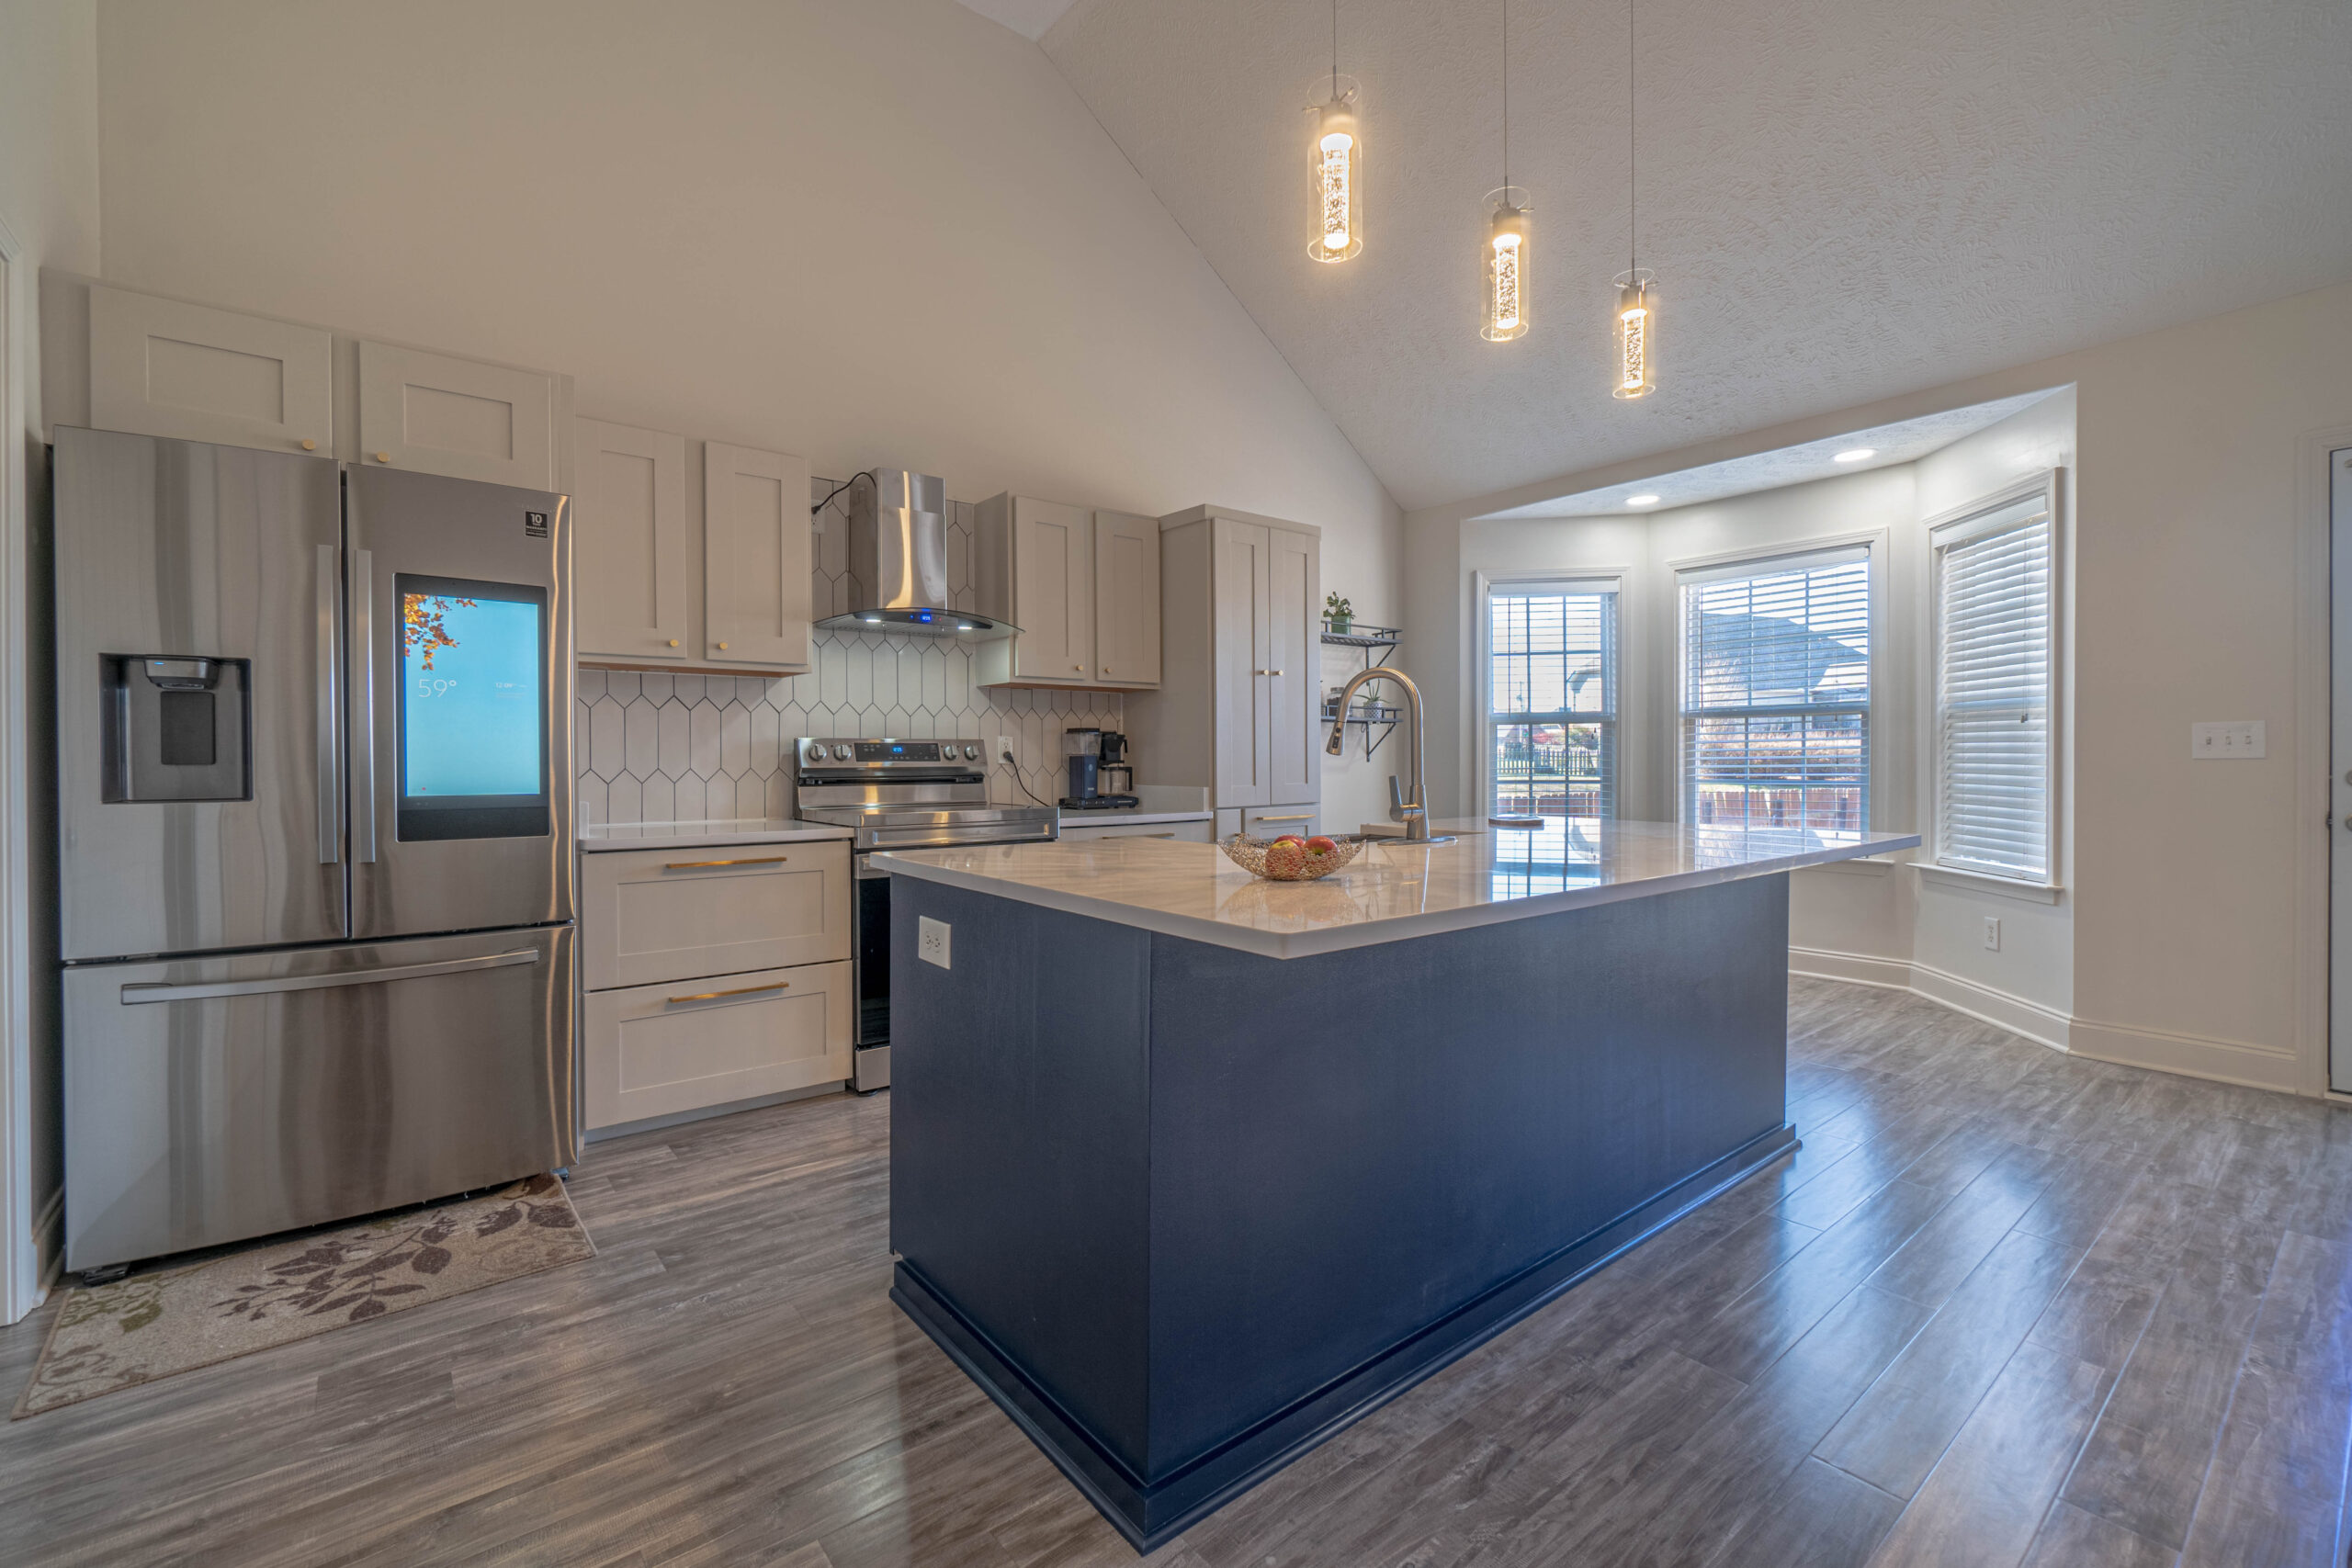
x: 1593, y: 579
x: 1876, y: 545
x: 1973, y: 520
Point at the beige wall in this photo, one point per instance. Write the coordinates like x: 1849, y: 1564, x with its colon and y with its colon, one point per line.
x: 2196, y: 889
x: 879, y: 233
x: 48, y: 200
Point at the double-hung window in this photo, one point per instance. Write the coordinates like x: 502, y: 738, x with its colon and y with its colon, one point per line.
x: 1996, y: 627
x: 1776, y: 692
x: 1552, y: 698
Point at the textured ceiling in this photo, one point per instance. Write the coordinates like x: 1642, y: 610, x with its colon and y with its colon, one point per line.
x: 1844, y: 200
x: 1029, y: 18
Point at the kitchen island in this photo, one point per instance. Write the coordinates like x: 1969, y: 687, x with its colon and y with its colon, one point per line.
x: 1190, y: 1170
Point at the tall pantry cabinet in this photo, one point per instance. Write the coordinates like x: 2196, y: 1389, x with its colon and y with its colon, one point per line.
x: 1237, y: 708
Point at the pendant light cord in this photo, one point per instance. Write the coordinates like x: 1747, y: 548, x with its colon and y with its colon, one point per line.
x: 1506, y: 103
x: 1633, y: 188
x: 1335, y: 50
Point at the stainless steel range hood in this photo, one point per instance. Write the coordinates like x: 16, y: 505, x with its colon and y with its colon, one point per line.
x: 898, y: 562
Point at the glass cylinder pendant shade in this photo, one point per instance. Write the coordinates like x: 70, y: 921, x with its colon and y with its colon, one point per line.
x: 1637, y: 335
x: 1503, y: 306
x: 1337, y: 166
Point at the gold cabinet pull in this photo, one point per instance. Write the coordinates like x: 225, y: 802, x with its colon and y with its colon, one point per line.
x: 383, y: 457
x: 309, y: 444
x: 674, y: 642
x: 737, y: 991
x: 700, y: 864
x: 1296, y: 816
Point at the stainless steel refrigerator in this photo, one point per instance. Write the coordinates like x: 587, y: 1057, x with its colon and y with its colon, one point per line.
x: 315, y: 804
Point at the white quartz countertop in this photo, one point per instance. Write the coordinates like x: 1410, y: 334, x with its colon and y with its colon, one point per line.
x: 602, y: 836
x: 1392, y: 890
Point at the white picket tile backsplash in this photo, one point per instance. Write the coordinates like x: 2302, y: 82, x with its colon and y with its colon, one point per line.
x: 663, y: 748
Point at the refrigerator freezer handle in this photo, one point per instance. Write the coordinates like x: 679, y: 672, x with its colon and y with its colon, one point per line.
x: 363, y: 708
x: 330, y: 709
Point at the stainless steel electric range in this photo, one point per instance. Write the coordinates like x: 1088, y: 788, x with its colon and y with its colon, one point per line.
x: 899, y: 794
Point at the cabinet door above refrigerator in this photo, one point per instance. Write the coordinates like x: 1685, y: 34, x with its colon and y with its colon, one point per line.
x: 198, y: 751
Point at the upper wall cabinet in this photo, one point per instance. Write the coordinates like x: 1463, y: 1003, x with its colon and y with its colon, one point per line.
x: 756, y: 569
x: 1082, y: 586
x: 161, y: 368
x: 1126, y: 599
x: 459, y: 417
x: 632, y: 556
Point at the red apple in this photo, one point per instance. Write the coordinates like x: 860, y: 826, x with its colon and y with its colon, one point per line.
x: 1285, y: 859
x: 1320, y: 845
x: 1291, y: 839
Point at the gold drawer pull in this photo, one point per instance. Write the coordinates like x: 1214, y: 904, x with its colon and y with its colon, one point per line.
x: 699, y: 864
x: 737, y: 991
x: 1296, y: 816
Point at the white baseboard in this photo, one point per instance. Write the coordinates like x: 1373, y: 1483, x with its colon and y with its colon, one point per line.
x: 2195, y: 1056
x: 2191, y: 1055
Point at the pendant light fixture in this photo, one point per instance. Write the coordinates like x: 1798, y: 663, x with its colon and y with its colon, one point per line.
x: 1335, y: 161
x: 1504, y: 250
x: 1636, y: 285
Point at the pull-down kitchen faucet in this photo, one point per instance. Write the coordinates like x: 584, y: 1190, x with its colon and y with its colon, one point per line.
x: 1413, y: 810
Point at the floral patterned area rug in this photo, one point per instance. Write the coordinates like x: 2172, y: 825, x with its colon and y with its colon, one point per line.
x: 145, y: 1326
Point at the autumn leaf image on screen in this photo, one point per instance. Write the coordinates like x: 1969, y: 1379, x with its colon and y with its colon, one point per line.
x: 425, y: 625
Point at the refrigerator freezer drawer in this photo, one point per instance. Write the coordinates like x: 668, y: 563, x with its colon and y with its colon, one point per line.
x: 211, y: 1099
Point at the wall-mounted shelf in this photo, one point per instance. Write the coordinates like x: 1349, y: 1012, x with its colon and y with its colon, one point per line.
x: 1375, y: 643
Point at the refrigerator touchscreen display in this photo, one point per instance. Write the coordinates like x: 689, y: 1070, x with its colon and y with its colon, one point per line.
x: 473, y: 753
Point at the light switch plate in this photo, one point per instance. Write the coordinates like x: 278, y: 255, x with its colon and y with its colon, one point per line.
x: 931, y: 941
x: 2238, y: 739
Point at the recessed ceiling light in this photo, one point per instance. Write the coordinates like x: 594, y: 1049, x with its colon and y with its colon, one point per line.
x: 1641, y: 500
x: 1855, y: 455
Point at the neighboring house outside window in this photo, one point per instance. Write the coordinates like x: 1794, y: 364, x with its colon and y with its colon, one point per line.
x: 1551, y: 698
x: 1776, y: 692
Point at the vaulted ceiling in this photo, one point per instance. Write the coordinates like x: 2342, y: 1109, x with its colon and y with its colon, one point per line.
x: 1845, y: 199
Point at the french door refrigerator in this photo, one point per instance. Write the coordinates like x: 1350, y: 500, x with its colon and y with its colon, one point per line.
x: 315, y: 776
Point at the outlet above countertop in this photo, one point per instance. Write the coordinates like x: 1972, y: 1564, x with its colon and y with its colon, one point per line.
x: 603, y: 836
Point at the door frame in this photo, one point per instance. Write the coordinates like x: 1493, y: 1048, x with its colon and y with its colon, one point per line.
x: 2314, y: 755
x: 21, y: 1285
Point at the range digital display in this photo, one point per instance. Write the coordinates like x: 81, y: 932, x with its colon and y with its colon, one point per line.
x: 472, y: 710
x: 897, y: 750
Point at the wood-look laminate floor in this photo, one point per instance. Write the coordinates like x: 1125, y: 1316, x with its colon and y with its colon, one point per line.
x: 2005, y: 1306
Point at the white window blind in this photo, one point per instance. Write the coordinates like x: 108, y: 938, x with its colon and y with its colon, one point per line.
x: 1776, y: 692
x: 1993, y: 679
x: 1552, y: 699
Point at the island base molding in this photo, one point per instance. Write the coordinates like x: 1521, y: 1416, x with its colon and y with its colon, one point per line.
x: 1150, y: 1515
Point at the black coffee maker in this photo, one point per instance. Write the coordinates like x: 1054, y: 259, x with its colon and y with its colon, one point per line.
x: 1087, y: 752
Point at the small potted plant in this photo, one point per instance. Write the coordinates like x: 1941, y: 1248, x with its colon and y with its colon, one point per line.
x: 1337, y: 614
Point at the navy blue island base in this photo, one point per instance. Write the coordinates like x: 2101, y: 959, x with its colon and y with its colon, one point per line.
x: 1185, y: 1212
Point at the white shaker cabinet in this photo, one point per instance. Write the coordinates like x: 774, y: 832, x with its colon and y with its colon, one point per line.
x: 632, y: 556
x: 1035, y: 568
x: 1236, y: 708
x: 192, y: 373
x: 464, y: 418
x: 756, y: 567
x: 1126, y: 599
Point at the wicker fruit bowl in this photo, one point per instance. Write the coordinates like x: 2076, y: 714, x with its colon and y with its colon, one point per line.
x: 1289, y: 857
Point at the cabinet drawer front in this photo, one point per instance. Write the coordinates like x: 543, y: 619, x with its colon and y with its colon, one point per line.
x: 679, y: 914
x: 1274, y: 821
x: 657, y: 1050
x: 1184, y: 833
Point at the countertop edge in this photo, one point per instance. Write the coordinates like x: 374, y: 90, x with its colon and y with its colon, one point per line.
x: 1373, y: 933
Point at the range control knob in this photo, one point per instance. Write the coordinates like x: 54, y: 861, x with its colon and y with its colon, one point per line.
x: 812, y: 753
x: 840, y: 751
x: 971, y: 753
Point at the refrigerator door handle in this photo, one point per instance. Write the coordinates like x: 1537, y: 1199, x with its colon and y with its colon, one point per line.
x: 363, y: 706
x: 330, y: 709
x: 135, y: 995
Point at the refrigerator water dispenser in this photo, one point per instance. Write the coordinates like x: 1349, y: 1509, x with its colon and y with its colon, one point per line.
x: 176, y: 728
